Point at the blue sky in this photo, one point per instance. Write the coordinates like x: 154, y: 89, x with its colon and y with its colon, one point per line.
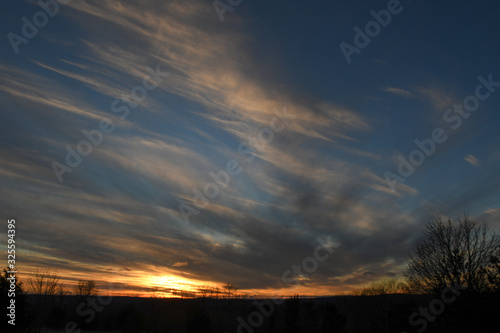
x: 319, y: 170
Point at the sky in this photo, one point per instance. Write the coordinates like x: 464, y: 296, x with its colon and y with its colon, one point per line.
x: 181, y: 144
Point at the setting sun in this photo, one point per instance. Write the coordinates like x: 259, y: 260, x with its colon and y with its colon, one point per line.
x: 174, y: 166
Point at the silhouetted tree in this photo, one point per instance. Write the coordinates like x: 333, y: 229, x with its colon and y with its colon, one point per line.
x: 391, y: 286
x: 154, y: 292
x: 215, y: 292
x: 453, y: 254
x: 230, y: 290
x: 44, y: 284
x: 292, y: 309
x: 493, y: 272
x: 204, y: 291
x: 22, y: 317
x: 86, y: 288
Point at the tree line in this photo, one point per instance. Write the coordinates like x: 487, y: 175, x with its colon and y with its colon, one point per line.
x: 465, y: 253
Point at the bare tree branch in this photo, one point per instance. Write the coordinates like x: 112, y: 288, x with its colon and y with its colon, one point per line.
x: 454, y: 254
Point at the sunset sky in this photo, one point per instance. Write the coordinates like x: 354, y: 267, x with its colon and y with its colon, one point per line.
x: 171, y: 96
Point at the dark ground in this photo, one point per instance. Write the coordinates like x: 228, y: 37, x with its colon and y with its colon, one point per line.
x: 363, y: 314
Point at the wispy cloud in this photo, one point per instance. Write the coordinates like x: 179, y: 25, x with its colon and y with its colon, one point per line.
x: 440, y: 98
x: 399, y: 91
x: 319, y: 175
x: 180, y: 264
x: 472, y: 160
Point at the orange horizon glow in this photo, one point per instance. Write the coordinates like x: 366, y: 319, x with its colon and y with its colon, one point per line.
x: 168, y: 284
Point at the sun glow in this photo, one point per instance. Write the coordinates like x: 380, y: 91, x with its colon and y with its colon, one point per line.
x: 170, y: 285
